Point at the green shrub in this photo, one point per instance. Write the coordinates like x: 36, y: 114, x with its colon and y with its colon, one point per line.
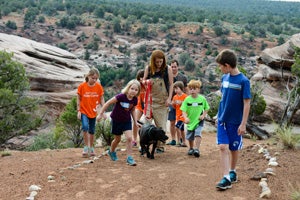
x: 103, y: 131
x: 287, y: 137
x: 69, y: 125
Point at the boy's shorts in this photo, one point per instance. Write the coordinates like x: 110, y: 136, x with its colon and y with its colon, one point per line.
x: 180, y: 125
x: 172, y: 114
x: 228, y: 134
x: 190, y: 135
x: 88, y: 124
x: 117, y: 128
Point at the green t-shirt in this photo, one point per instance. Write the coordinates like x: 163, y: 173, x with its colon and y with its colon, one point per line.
x: 194, y: 107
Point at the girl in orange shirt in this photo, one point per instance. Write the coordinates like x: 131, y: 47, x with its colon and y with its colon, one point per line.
x: 89, y: 98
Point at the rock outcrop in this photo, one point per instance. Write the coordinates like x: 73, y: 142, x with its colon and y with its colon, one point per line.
x: 280, y: 56
x: 54, y: 73
x: 274, y: 73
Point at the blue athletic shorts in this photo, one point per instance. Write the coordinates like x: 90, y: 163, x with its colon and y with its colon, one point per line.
x: 172, y: 114
x: 117, y: 128
x: 190, y: 135
x: 180, y: 125
x: 88, y: 124
x: 228, y: 134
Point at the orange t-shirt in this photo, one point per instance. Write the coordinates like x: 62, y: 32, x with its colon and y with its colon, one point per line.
x: 176, y: 102
x: 90, y: 98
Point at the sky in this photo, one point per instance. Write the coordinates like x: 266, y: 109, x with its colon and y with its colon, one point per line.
x: 288, y: 0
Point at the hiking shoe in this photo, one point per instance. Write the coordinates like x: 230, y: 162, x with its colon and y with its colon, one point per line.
x: 85, y: 151
x: 233, y: 176
x: 134, y: 144
x: 160, y: 150
x: 130, y: 161
x: 173, y: 143
x: 190, y: 152
x: 197, y: 153
x: 224, y: 184
x: 113, y: 155
x: 92, y: 151
x: 183, y: 145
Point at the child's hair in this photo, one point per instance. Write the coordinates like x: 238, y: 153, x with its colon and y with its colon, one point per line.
x: 160, y: 55
x: 194, y: 84
x: 129, y: 84
x: 227, y: 56
x: 179, y: 84
x: 140, y: 74
x: 92, y: 72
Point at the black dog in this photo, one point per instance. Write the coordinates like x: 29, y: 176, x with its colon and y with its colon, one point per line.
x: 150, y: 134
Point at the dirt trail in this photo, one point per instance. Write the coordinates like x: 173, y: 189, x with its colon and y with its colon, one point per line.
x: 171, y: 175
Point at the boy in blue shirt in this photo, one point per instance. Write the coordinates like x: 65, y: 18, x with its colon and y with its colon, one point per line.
x: 232, y: 115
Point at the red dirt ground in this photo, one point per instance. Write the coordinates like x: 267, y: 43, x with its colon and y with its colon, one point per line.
x: 171, y: 175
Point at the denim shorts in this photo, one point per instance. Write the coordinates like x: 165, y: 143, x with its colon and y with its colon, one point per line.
x: 88, y: 124
x: 117, y: 128
x: 172, y: 114
x: 180, y: 125
x: 190, y: 135
x: 228, y: 134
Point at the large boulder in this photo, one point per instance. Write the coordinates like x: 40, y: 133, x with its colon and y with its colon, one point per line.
x: 54, y: 73
x: 280, y: 56
x: 274, y: 73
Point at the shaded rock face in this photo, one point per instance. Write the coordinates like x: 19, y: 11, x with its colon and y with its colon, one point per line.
x: 280, y: 56
x: 274, y: 74
x: 54, y: 73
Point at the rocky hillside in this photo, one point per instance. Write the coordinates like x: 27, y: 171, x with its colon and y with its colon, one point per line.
x: 55, y: 73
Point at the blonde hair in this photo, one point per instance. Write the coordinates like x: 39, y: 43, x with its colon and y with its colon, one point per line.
x: 92, y: 72
x: 194, y: 84
x: 129, y: 84
x: 160, y: 55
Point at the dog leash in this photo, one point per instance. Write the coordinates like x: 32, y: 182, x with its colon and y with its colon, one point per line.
x: 148, y: 101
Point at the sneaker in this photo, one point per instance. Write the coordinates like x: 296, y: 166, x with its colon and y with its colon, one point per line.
x: 85, y: 151
x: 197, y: 153
x: 92, y: 151
x: 113, y: 155
x: 134, y: 144
x: 183, y: 145
x: 173, y: 143
x: 190, y: 152
x: 224, y: 184
x: 130, y: 161
x: 160, y: 150
x: 233, y: 176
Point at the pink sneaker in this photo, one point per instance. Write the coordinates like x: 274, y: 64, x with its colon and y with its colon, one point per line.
x: 92, y: 151
x: 134, y: 144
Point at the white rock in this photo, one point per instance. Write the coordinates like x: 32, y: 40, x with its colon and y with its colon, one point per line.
x: 50, y: 177
x: 33, y: 193
x: 34, y: 188
x: 273, y: 164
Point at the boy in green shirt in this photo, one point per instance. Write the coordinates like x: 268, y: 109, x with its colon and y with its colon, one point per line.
x: 194, y: 109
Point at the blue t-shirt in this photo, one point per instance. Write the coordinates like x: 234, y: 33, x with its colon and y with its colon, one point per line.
x: 234, y: 90
x: 122, y: 109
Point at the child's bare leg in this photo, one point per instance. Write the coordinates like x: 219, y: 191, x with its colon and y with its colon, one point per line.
x: 128, y: 135
x: 225, y: 157
x: 115, y: 142
x: 182, y: 136
x: 197, y: 141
